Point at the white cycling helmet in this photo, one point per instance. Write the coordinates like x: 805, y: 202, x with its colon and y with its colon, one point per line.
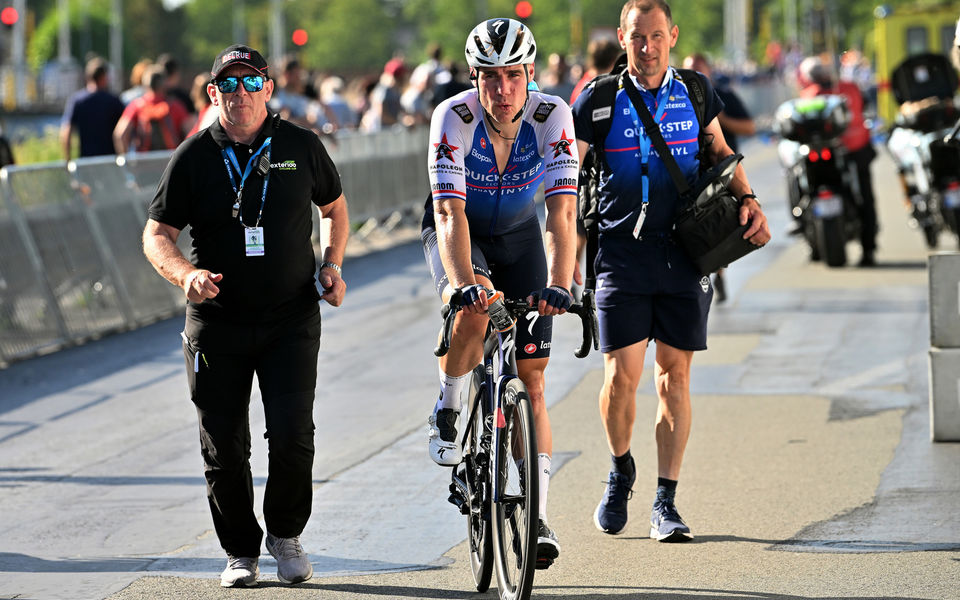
x: 500, y: 43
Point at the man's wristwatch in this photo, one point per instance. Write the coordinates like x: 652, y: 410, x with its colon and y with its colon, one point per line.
x: 750, y: 195
x: 333, y: 266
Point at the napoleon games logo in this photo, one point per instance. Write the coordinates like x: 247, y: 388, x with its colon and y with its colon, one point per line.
x: 562, y: 146
x: 444, y: 150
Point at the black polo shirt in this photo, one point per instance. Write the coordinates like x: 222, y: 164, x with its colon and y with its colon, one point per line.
x: 195, y: 190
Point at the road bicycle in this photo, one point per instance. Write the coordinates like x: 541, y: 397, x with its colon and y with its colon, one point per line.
x: 496, y: 485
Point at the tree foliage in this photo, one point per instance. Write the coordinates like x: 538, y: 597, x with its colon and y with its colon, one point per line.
x: 352, y: 36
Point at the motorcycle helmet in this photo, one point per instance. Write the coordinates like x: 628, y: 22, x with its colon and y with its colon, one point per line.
x: 500, y: 43
x: 814, y: 69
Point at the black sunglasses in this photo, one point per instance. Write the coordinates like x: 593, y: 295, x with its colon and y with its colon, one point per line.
x: 228, y: 85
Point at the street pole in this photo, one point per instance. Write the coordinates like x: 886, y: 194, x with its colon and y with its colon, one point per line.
x: 116, y: 42
x: 276, y: 31
x: 790, y: 23
x: 735, y: 31
x: 17, y: 54
x: 63, y: 37
x: 239, y: 19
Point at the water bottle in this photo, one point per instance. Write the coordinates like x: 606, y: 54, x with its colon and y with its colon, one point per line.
x: 499, y: 315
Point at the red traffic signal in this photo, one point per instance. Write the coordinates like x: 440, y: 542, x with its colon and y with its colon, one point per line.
x: 300, y: 37
x: 523, y: 9
x: 9, y: 16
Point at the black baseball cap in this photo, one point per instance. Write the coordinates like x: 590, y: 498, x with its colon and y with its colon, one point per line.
x: 238, y: 54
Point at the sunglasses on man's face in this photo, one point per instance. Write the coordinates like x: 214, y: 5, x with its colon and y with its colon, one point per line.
x: 228, y: 85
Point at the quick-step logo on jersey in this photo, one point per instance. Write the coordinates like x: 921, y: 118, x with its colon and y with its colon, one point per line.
x: 500, y: 195
x: 519, y: 178
x: 679, y: 129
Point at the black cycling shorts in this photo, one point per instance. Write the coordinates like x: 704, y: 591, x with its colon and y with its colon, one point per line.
x: 649, y: 289
x: 517, y: 265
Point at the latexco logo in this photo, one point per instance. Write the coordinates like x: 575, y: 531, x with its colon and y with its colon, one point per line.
x: 287, y: 165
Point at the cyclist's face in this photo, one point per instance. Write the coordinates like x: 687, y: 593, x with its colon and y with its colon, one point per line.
x: 503, y: 90
x: 647, y: 38
x: 240, y: 108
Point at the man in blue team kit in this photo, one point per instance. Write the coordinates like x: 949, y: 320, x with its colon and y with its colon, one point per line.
x: 647, y: 288
x: 491, y: 148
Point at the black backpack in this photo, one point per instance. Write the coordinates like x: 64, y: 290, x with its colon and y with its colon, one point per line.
x: 600, y: 107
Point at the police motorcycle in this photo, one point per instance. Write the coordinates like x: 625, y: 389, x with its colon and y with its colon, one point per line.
x: 923, y: 145
x: 821, y: 180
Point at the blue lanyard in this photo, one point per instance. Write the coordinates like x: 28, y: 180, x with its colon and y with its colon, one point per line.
x: 230, y: 159
x: 662, y: 96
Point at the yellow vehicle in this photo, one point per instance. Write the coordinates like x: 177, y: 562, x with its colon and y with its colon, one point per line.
x: 902, y: 32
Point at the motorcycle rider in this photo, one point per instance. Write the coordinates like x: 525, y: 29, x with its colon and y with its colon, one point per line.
x: 818, y: 77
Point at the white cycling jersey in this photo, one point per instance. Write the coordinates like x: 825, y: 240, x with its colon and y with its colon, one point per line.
x: 462, y: 163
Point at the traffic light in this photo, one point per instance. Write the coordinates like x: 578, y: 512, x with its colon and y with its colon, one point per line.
x: 523, y: 9
x: 9, y: 17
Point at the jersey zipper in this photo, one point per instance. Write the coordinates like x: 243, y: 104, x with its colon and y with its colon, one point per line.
x: 496, y: 209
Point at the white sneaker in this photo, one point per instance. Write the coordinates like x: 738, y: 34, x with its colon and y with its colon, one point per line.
x: 293, y: 565
x: 241, y: 571
x: 444, y: 447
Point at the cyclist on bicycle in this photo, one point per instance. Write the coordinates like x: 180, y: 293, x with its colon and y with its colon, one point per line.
x: 490, y: 149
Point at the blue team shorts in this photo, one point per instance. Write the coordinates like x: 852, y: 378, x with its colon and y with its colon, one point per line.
x: 517, y: 265
x: 649, y: 289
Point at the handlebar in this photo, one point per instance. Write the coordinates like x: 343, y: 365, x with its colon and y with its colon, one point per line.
x: 586, y: 310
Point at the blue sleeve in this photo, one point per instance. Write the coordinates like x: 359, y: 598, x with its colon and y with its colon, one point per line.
x: 67, y: 118
x: 582, y: 122
x: 714, y: 102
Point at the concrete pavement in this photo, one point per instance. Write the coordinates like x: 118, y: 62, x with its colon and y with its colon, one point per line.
x: 809, y: 473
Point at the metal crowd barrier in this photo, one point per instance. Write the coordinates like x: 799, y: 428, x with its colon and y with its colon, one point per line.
x: 71, y: 264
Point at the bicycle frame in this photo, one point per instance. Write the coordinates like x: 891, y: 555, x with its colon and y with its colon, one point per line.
x: 500, y: 449
x: 498, y: 347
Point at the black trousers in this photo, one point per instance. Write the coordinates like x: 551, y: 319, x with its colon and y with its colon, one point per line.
x: 221, y: 360
x: 868, y: 208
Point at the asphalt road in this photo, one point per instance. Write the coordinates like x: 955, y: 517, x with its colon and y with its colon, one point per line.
x: 809, y: 474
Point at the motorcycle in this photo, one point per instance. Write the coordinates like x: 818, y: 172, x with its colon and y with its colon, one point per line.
x: 821, y: 179
x: 924, y: 146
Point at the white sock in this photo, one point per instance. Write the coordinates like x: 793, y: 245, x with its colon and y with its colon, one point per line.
x: 452, y: 389
x: 543, y: 462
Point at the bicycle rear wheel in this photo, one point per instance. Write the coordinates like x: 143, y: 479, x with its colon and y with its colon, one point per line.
x: 477, y: 464
x: 515, y: 515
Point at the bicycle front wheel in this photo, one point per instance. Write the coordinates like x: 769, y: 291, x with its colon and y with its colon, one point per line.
x: 477, y: 465
x: 516, y: 511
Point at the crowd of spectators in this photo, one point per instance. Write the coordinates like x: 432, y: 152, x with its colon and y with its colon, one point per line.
x: 156, y: 110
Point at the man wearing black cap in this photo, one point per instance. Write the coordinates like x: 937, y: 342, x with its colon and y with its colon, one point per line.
x: 246, y: 185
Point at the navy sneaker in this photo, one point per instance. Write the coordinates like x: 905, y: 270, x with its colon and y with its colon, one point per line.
x: 666, y: 524
x: 611, y: 514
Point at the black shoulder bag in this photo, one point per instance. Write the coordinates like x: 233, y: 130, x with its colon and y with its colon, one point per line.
x: 708, y: 225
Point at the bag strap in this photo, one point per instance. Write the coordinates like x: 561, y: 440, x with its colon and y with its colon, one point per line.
x: 656, y: 138
x: 697, y: 94
x: 602, y: 102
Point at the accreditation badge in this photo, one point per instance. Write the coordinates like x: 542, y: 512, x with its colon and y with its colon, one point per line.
x: 253, y: 240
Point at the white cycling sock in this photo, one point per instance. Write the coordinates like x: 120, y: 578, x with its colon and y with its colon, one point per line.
x: 543, y: 462
x: 451, y: 390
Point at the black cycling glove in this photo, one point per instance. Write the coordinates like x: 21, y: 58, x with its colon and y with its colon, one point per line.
x: 557, y: 297
x: 470, y: 294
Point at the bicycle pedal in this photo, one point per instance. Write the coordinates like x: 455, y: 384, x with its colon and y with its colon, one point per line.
x: 459, y: 502
x: 543, y: 563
